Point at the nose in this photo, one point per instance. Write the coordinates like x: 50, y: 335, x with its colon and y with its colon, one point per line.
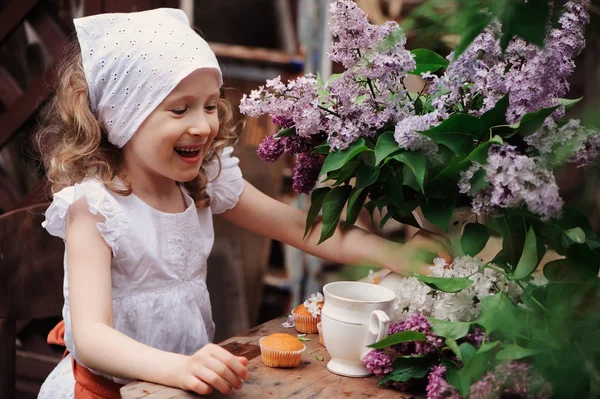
x: 200, y: 126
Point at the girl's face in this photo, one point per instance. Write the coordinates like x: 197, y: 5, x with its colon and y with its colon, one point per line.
x: 173, y: 140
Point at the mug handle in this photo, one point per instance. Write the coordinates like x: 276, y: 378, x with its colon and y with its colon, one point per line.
x: 378, y: 329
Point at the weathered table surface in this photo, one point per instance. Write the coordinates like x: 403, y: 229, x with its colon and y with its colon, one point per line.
x: 309, y: 380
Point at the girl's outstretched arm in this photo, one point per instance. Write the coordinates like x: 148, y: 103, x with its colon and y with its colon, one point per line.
x: 264, y: 215
x: 102, y: 348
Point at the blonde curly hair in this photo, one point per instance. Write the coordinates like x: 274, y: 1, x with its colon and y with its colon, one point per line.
x: 74, y: 145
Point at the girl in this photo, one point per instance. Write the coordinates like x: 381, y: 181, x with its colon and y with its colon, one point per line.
x: 136, y: 144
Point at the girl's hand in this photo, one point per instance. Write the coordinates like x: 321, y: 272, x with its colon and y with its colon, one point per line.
x: 417, y: 254
x: 213, y: 367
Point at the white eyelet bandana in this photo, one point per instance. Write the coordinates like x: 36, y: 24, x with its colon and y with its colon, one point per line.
x: 132, y: 61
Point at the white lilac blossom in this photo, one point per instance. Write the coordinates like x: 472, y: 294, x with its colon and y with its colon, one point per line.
x: 312, y: 304
x: 413, y: 296
x: 289, y: 323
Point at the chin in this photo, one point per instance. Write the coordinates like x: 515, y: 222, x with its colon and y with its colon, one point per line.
x: 186, y: 177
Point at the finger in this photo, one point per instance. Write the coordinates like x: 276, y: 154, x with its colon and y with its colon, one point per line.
x: 243, y: 360
x: 233, y: 362
x: 224, y: 372
x: 434, y: 246
x: 198, y: 386
x: 426, y: 234
x: 216, y: 381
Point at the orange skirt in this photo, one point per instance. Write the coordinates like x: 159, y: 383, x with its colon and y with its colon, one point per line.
x: 87, y: 384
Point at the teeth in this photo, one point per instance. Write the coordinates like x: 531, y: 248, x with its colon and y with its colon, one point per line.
x: 187, y: 149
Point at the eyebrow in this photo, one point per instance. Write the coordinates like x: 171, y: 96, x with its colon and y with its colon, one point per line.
x: 189, y: 96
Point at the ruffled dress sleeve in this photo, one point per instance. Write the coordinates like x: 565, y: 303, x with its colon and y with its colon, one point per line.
x: 225, y: 190
x: 98, y: 200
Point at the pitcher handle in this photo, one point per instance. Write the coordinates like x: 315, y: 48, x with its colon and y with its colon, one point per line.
x: 378, y: 329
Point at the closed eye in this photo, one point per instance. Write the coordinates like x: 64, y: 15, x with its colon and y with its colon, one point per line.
x: 210, y: 107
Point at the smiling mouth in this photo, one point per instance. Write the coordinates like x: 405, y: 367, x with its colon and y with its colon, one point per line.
x: 187, y: 152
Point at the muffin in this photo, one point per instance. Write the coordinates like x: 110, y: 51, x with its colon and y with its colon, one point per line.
x: 307, y: 315
x: 281, y: 350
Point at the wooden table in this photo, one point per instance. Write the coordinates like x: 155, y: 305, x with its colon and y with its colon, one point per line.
x: 309, y: 380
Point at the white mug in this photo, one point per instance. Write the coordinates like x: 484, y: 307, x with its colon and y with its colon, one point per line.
x: 355, y: 315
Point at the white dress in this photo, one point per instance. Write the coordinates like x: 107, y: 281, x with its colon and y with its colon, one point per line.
x: 158, y: 266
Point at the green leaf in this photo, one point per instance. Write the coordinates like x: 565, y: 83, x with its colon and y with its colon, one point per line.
x: 474, y: 238
x: 568, y: 271
x: 569, y: 103
x: 467, y: 351
x: 457, y: 133
x: 417, y: 162
x: 319, y: 358
x: 366, y: 176
x: 478, y: 181
x: 576, y: 234
x: 498, y: 313
x: 355, y: 203
x: 527, y: 19
x: 480, y: 153
x: 451, y: 343
x: 304, y: 339
x: 333, y: 204
x: 386, y: 145
x: 475, y: 26
x: 439, y: 212
x: 405, y: 369
x: 532, y: 121
x: 398, y: 338
x: 497, y: 115
x: 322, y: 149
x: 454, y: 284
x: 337, y: 159
x: 514, y: 352
x: 449, y: 329
x: 427, y: 61
x: 457, y: 379
x: 316, y: 202
x: 488, y: 346
x: 346, y: 172
x: 529, y: 258
x: 287, y: 132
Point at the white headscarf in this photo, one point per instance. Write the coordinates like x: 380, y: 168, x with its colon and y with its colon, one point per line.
x: 132, y: 61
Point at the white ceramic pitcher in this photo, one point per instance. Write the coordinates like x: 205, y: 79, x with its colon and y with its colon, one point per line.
x: 355, y: 314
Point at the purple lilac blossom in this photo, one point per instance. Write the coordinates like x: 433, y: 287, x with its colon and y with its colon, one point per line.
x: 417, y: 322
x: 513, y: 379
x: 588, y: 152
x: 476, y: 337
x: 544, y: 78
x: 438, y: 387
x: 306, y: 172
x: 270, y: 149
x: 515, y: 180
x: 407, y: 136
x: 283, y: 121
x: 298, y: 100
x: 351, y: 27
x: 378, y: 362
x: 534, y: 77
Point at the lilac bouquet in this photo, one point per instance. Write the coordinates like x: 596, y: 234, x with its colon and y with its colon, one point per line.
x: 486, y: 132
